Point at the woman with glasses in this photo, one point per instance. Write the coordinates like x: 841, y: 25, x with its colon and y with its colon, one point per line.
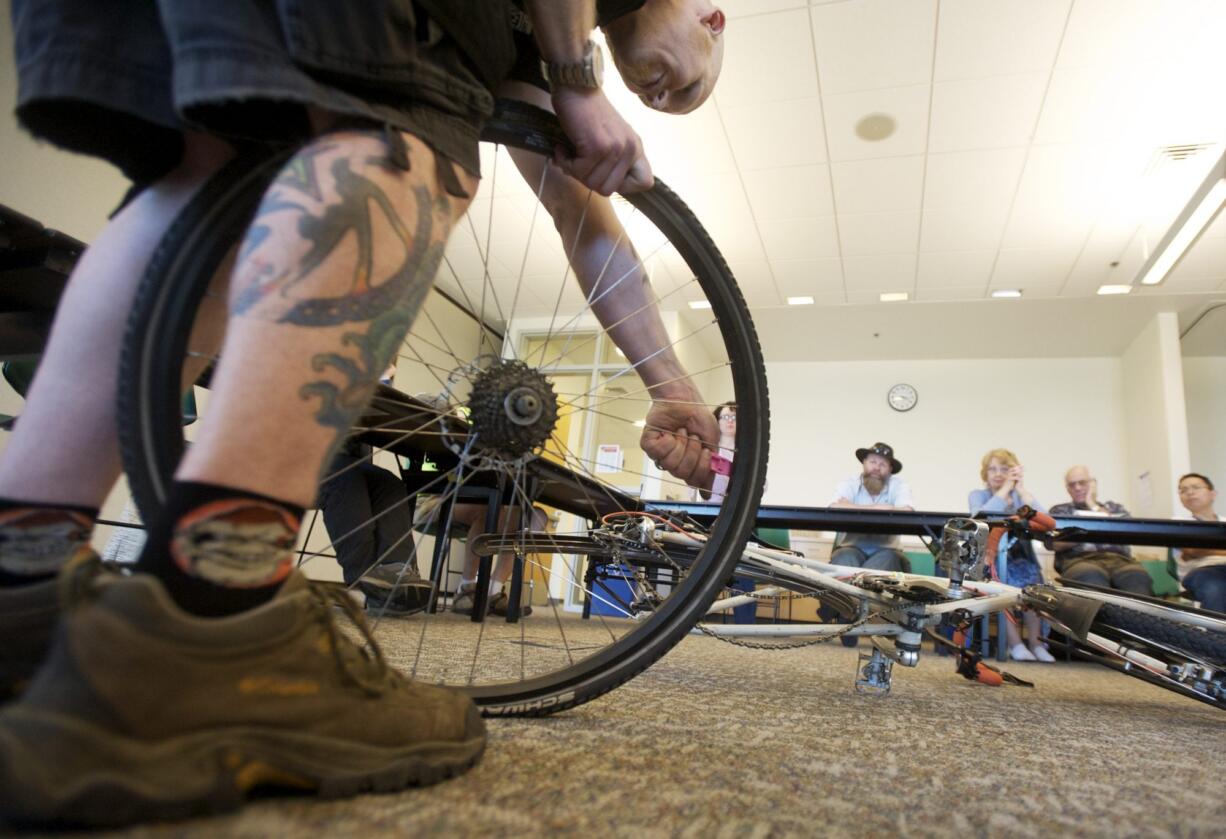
x: 1004, y: 492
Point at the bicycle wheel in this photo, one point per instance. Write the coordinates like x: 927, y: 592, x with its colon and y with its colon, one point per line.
x: 505, y: 320
x: 1191, y: 654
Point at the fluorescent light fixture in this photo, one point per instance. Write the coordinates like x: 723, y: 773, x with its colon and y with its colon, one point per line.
x: 1115, y: 289
x: 619, y: 352
x: 640, y: 423
x: 803, y: 300
x: 1007, y: 293
x: 700, y: 304
x: 894, y: 296
x: 1188, y: 226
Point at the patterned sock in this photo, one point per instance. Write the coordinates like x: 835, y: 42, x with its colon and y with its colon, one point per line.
x: 37, y: 539
x: 218, y: 550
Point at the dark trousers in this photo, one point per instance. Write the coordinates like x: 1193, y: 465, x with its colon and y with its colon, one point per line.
x: 1108, y: 570
x: 350, y: 500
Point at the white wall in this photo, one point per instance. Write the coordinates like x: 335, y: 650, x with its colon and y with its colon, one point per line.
x: 1155, y: 419
x: 1053, y: 413
x: 1204, y: 382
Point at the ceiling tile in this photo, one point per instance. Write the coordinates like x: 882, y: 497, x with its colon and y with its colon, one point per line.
x: 772, y: 134
x: 878, y: 233
x: 889, y: 184
x: 800, y: 238
x: 956, y: 179
x: 808, y: 276
x: 775, y: 47
x: 789, y: 192
x: 985, y: 113
x: 886, y: 272
x: 1206, y: 259
x: 907, y: 106
x: 1084, y: 104
x: 1051, y: 227
x: 873, y: 44
x: 928, y: 295
x: 954, y: 269
x: 980, y: 38
x: 1114, y: 33
x: 1033, y: 269
x: 863, y: 298
x: 748, y: 8
x: 965, y: 228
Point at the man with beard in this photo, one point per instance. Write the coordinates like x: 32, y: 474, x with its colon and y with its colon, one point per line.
x: 877, y: 487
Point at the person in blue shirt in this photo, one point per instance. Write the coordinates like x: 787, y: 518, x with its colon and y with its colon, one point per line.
x: 1004, y: 492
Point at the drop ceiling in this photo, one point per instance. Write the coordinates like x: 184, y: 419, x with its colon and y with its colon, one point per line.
x: 1027, y: 153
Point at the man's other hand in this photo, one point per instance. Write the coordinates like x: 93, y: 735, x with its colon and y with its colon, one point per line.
x: 680, y: 439
x: 608, y: 154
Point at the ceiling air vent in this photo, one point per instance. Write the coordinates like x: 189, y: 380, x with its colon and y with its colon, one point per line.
x: 1172, y: 155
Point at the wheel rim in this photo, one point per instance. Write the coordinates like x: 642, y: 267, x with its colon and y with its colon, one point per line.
x: 556, y: 656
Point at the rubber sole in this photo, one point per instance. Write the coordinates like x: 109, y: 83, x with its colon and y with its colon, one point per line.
x: 59, y: 771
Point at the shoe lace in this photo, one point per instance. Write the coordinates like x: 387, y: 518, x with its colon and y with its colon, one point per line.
x: 361, y: 665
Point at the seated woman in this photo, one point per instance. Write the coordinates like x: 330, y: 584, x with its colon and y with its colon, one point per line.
x: 1004, y: 493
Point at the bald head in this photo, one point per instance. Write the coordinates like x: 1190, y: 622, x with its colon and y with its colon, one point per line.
x: 1079, y: 483
x: 669, y: 52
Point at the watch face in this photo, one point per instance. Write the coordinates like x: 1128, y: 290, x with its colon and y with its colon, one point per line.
x: 902, y: 397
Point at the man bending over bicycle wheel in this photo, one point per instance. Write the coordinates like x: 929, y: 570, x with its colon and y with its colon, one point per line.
x: 215, y: 667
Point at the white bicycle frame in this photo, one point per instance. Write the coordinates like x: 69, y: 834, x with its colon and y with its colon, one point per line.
x: 978, y: 598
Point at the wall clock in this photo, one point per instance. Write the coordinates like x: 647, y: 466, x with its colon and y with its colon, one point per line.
x: 902, y: 397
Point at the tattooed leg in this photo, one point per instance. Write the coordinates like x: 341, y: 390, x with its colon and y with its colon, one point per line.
x: 329, y: 277
x: 65, y: 448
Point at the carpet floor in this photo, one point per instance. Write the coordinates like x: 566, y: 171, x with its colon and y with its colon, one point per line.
x: 721, y: 741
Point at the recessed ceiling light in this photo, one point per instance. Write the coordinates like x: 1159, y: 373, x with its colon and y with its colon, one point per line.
x: 803, y: 300
x: 1007, y: 292
x: 641, y: 423
x: 894, y: 296
x: 700, y: 304
x: 1115, y: 289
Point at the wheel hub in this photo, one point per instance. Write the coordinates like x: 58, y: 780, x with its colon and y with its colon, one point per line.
x: 513, y: 409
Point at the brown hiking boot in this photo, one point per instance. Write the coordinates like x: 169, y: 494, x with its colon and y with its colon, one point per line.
x: 143, y: 711
x: 27, y: 621
x: 28, y: 615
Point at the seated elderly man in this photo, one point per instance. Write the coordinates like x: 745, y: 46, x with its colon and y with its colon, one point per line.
x: 1109, y: 566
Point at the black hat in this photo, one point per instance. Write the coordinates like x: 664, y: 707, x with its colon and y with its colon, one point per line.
x: 885, y: 451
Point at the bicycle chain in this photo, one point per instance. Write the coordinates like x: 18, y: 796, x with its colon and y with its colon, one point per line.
x: 825, y: 639
x: 796, y: 645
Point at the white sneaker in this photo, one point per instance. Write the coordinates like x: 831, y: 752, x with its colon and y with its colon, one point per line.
x: 1041, y: 654
x: 1020, y: 653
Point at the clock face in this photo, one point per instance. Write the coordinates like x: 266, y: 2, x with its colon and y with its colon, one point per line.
x: 902, y: 397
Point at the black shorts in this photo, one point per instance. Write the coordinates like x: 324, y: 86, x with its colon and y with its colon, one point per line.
x: 122, y: 79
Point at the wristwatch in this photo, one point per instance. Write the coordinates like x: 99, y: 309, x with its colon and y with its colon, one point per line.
x: 588, y: 72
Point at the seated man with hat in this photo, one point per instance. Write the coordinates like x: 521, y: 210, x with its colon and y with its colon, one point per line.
x: 877, y: 487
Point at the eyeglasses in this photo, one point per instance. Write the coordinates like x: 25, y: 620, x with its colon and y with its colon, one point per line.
x: 996, y: 470
x: 1084, y: 483
x: 1184, y: 490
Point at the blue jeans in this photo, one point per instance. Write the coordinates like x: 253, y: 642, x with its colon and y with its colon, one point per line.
x: 1208, y: 587
x: 876, y: 557
x: 870, y: 556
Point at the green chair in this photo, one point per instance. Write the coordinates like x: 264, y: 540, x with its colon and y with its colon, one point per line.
x: 1162, y: 573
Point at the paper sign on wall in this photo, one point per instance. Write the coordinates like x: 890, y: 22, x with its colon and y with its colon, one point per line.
x: 608, y: 457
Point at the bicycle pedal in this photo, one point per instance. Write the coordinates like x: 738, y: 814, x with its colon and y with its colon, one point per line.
x: 874, y: 673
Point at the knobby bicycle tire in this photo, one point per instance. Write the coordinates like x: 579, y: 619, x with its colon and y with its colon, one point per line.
x: 1199, y: 642
x: 195, y: 245
x: 1169, y: 640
